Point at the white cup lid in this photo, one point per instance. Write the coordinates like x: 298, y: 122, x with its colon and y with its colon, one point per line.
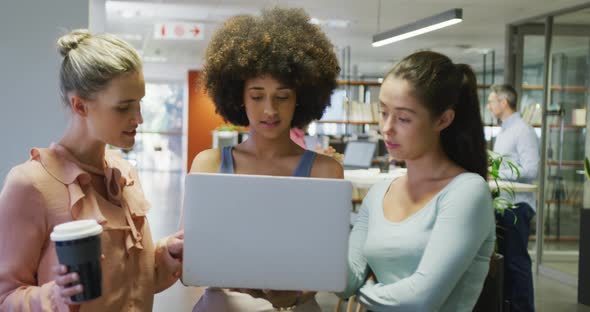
x: 75, y: 230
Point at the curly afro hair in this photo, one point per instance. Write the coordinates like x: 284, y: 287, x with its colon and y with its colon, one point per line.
x: 281, y: 43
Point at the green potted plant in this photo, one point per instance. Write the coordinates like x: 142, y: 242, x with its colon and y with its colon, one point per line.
x: 503, y: 196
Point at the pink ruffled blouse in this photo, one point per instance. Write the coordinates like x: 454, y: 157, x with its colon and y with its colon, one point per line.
x: 52, y: 188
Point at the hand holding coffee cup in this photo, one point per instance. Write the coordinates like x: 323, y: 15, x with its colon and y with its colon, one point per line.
x: 64, y: 280
x: 78, y: 248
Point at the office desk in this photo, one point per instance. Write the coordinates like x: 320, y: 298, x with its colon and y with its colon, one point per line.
x: 365, y: 178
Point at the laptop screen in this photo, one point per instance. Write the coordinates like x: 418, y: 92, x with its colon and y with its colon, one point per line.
x: 359, y: 154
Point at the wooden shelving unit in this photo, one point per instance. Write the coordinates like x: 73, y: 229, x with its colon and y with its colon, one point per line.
x: 358, y: 83
x: 566, y: 163
x: 580, y: 89
x: 550, y: 126
x: 376, y: 83
x: 564, y: 126
x: 564, y: 202
x: 552, y: 238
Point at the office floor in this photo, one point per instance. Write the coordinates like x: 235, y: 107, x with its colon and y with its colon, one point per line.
x: 164, y: 190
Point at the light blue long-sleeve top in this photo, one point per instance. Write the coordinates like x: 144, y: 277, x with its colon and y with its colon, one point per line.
x: 519, y: 143
x: 435, y: 260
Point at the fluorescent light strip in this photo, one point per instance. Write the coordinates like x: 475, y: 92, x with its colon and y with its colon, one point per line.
x: 419, y: 27
x: 417, y: 32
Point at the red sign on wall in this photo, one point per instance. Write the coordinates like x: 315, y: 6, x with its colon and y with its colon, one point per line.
x: 179, y: 31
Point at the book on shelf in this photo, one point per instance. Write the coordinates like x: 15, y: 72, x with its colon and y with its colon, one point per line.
x: 352, y: 111
x: 336, y: 109
x: 375, y: 111
x: 532, y: 113
x: 579, y: 117
x: 356, y: 111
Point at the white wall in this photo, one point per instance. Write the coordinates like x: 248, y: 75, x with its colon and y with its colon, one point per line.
x: 97, y: 16
x: 31, y: 113
x: 169, y: 71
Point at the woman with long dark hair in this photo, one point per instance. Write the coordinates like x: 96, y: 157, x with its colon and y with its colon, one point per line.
x: 427, y: 237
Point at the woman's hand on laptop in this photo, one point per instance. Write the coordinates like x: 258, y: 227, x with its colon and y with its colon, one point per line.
x: 256, y: 293
x: 279, y: 298
x: 175, y: 245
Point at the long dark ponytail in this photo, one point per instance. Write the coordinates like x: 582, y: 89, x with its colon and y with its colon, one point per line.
x: 442, y: 85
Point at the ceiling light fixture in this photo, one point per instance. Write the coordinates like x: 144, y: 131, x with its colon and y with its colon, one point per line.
x: 419, y: 27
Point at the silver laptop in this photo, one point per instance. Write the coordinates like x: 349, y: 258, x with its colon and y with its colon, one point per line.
x: 282, y: 233
x: 359, y: 154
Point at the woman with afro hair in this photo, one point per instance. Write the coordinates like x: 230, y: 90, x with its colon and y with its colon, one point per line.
x: 271, y: 73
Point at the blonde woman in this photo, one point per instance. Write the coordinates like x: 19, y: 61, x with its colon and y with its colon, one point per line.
x: 77, y: 178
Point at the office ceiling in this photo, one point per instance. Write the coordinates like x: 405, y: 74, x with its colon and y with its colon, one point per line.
x: 482, y: 30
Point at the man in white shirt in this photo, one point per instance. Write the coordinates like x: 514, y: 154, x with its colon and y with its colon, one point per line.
x: 518, y: 143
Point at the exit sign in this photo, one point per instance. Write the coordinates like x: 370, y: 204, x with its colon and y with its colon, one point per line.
x: 179, y: 31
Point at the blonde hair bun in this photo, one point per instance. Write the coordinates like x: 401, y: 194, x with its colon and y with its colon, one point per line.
x: 91, y: 61
x: 71, y: 41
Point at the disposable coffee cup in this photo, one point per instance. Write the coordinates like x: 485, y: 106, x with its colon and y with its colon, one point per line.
x: 77, y: 244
